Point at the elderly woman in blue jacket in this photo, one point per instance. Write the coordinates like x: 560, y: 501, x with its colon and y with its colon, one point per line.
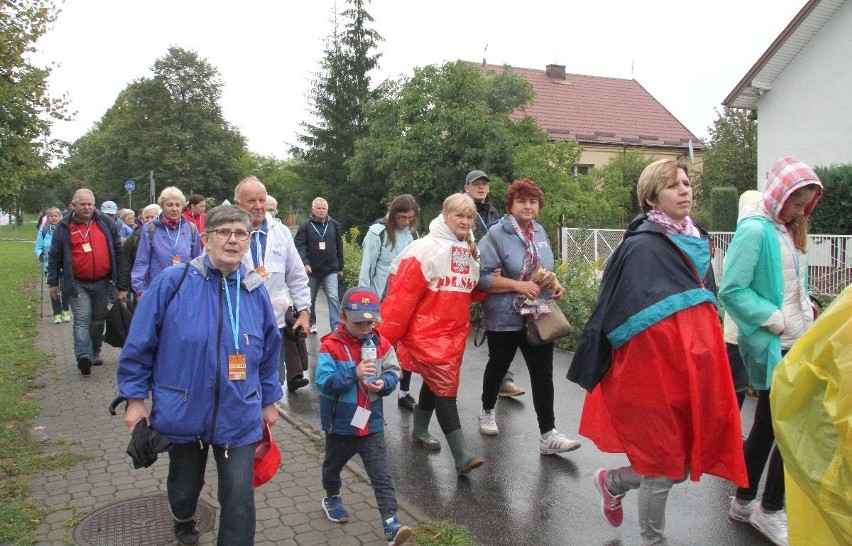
x: 167, y: 240
x: 518, y: 246
x: 213, y: 380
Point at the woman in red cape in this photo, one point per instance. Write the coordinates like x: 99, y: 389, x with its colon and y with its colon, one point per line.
x: 653, y: 358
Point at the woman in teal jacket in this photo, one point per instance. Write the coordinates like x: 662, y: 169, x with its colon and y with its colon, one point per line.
x: 764, y: 288
x: 61, y: 310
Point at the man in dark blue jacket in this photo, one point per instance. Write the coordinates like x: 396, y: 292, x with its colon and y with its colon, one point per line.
x: 319, y: 241
x: 85, y: 253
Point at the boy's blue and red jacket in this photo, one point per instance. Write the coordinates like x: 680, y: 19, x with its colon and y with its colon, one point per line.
x: 340, y: 389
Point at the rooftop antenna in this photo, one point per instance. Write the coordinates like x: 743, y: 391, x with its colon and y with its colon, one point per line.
x: 632, y: 66
x: 484, y: 51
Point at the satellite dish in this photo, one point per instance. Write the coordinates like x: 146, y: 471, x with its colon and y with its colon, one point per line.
x: 691, y: 153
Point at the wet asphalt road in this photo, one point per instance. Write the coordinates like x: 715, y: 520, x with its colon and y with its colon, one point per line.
x: 520, y: 497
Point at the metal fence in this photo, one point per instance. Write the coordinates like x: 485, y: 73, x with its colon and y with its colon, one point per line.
x: 829, y: 256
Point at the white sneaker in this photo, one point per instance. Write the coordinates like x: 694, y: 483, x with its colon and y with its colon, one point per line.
x: 313, y: 329
x: 488, y: 422
x: 554, y: 442
x: 741, y: 512
x: 773, y: 525
x: 57, y: 319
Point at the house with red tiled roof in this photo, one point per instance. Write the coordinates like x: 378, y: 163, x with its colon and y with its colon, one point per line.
x: 605, y: 115
x: 799, y: 90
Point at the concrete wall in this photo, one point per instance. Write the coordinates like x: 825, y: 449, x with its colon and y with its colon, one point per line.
x: 808, y: 111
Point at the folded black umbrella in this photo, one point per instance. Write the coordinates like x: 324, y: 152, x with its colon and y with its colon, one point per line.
x: 145, y: 444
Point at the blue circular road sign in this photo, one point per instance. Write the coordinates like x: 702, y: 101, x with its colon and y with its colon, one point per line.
x: 129, y: 186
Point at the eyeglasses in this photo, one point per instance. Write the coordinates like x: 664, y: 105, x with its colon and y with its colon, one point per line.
x: 479, y: 183
x: 225, y: 234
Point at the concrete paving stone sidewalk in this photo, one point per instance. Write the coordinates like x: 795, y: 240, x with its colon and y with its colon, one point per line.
x: 75, y: 412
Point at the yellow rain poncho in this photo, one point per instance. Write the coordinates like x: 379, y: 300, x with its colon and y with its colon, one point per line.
x: 811, y: 401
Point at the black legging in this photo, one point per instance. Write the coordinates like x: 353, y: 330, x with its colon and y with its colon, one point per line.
x: 757, y: 451
x: 445, y: 408
x: 502, y: 347
x: 405, y: 381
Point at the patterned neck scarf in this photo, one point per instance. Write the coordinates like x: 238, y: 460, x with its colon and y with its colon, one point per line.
x: 171, y: 223
x: 532, y: 261
x: 685, y: 227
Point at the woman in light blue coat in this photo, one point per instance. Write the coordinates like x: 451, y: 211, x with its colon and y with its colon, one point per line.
x: 384, y: 241
x: 61, y: 311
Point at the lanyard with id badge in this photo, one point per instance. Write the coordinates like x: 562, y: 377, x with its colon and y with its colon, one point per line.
x: 362, y: 413
x: 175, y: 256
x: 321, y: 245
x: 236, y: 361
x: 86, y: 246
x: 260, y: 268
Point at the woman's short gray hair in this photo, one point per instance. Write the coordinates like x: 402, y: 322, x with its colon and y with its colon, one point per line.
x: 171, y: 193
x: 226, y: 214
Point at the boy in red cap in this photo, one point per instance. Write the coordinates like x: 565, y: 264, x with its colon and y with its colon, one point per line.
x: 352, y: 384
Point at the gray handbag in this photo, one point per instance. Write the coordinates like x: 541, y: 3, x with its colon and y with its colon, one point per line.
x: 548, y: 327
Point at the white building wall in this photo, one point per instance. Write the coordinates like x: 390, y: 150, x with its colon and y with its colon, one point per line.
x: 808, y: 111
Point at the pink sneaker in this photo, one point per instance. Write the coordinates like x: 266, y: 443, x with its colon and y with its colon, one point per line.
x: 610, y: 504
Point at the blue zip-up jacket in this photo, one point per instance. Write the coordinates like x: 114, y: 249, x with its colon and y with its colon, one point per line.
x: 177, y: 350
x: 498, y: 313
x: 152, y: 257
x: 42, y: 244
x: 59, y: 258
x: 340, y: 389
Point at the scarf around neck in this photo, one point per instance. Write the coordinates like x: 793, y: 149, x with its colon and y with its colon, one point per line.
x: 531, y: 262
x: 684, y: 227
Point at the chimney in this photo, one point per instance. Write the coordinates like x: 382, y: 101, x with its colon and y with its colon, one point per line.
x: 556, y: 71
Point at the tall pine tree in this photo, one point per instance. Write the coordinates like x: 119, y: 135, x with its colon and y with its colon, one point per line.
x: 339, y: 96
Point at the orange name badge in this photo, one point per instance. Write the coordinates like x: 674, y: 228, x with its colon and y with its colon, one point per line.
x: 237, y: 367
x: 175, y: 260
x: 322, y: 245
x: 261, y: 270
x: 87, y: 247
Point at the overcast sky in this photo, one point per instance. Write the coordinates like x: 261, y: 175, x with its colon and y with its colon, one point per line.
x: 688, y: 55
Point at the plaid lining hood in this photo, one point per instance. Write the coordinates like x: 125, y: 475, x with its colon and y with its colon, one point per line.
x: 786, y: 176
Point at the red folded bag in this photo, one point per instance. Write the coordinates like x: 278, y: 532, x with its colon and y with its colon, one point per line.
x: 267, y: 458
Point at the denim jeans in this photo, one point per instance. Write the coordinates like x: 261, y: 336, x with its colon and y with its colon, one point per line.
x: 329, y: 286
x: 187, y: 463
x: 373, y: 451
x: 89, y: 308
x: 653, y: 494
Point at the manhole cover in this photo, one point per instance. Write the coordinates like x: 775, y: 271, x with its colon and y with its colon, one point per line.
x: 143, y: 521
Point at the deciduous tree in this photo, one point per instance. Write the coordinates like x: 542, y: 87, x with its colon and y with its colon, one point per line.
x: 26, y: 108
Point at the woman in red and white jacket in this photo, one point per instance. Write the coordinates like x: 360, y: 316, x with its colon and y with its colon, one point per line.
x: 426, y: 316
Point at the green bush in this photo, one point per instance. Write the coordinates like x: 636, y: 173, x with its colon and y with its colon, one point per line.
x: 352, y: 254
x: 724, y: 203
x: 581, y: 281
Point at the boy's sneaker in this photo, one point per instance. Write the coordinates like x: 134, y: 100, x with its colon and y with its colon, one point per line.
x: 395, y: 533
x: 488, y: 422
x: 406, y: 401
x: 610, y: 504
x: 334, y: 510
x: 741, y: 512
x: 66, y: 316
x: 773, y: 525
x: 186, y: 533
x: 554, y: 442
x: 57, y: 319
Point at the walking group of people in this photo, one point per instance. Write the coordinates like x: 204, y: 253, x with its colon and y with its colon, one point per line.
x: 226, y: 298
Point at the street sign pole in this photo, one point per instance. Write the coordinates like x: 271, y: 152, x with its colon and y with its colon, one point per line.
x: 130, y: 186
